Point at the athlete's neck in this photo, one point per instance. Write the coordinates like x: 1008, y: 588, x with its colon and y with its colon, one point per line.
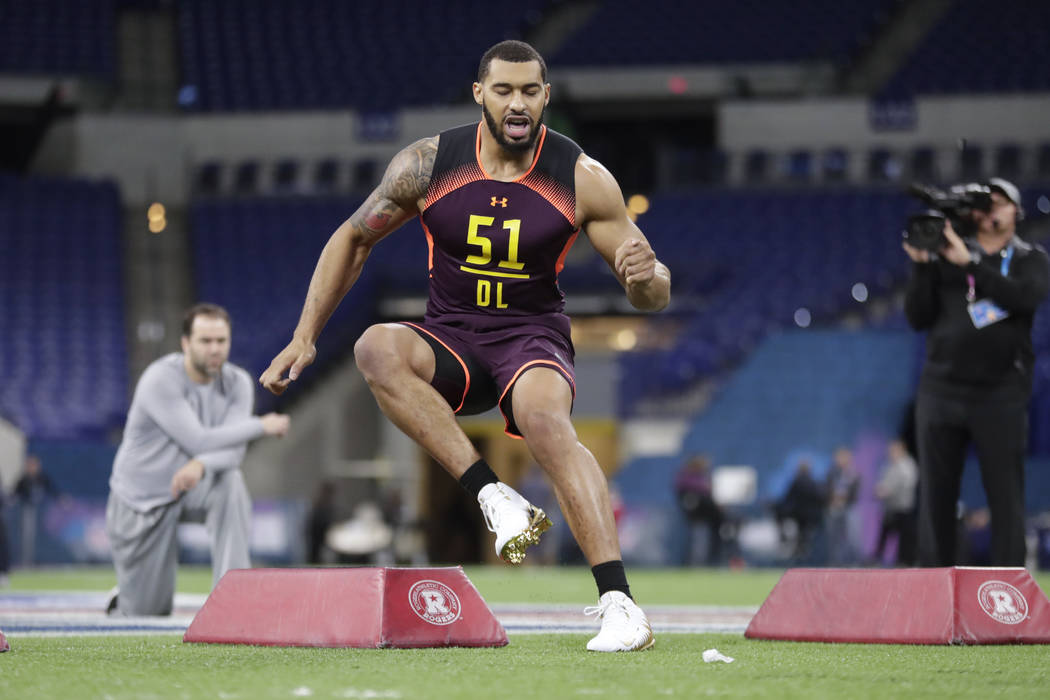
x: 501, y: 163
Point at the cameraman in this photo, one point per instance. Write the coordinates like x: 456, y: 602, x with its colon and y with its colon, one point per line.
x: 977, y: 298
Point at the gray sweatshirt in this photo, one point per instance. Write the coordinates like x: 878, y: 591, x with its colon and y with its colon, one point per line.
x: 172, y: 420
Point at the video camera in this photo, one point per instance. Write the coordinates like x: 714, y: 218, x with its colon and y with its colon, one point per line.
x: 925, y: 230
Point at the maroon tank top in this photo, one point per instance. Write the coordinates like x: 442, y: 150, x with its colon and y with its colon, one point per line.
x: 496, y: 248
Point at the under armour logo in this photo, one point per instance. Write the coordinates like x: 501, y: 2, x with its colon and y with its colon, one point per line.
x: 500, y: 201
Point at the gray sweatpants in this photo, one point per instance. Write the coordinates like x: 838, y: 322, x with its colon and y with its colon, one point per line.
x: 145, y: 547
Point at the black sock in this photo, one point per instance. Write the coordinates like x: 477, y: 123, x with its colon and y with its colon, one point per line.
x: 610, y: 576
x: 477, y: 477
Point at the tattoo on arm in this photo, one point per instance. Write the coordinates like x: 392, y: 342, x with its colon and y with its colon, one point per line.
x: 404, y: 184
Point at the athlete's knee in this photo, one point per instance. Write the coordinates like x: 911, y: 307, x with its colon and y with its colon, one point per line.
x: 540, y: 426
x: 377, y: 353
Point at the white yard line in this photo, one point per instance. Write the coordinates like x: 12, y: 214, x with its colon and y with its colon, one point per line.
x: 66, y: 614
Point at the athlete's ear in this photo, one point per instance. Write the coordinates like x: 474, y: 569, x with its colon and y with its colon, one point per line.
x: 478, y: 93
x: 547, y: 97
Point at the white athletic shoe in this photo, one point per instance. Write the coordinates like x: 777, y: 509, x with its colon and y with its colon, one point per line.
x: 516, y: 522
x: 624, y: 625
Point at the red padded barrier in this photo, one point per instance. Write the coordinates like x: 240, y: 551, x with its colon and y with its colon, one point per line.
x: 347, y: 607
x: 956, y: 605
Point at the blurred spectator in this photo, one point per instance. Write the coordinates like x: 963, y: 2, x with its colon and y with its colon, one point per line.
x: 320, y: 518
x: 34, y: 485
x: 5, y: 557
x: 843, y: 484
x: 692, y: 486
x: 32, y: 489
x: 896, y: 490
x: 803, y: 504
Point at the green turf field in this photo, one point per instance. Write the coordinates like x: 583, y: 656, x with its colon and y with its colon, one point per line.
x: 532, y: 666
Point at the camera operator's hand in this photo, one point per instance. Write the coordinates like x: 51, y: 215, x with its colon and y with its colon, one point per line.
x: 917, y: 255
x: 955, y: 251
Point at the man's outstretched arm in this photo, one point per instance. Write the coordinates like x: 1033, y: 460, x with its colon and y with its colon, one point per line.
x: 397, y: 198
x: 646, y: 280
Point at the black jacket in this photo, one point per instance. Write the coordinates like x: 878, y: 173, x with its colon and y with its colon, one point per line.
x: 965, y: 361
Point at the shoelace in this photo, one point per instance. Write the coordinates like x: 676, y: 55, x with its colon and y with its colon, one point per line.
x: 602, y: 608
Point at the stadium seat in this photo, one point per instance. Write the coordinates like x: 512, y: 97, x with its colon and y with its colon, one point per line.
x: 209, y: 179
x: 834, y: 164
x: 326, y: 176
x: 246, y: 178
x: 286, y: 176
x: 1008, y: 161
x: 971, y: 163
x: 923, y: 165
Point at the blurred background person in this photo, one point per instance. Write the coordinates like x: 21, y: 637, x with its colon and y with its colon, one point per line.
x: 34, y: 487
x: 842, y: 487
x: 803, y: 505
x: 977, y: 299
x: 5, y: 551
x: 896, y: 490
x: 693, y: 491
x: 188, y: 427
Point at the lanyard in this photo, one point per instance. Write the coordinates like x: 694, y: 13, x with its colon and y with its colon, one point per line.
x: 1004, y: 268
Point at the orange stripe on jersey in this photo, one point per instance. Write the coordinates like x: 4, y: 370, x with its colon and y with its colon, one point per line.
x: 527, y: 365
x: 466, y: 372
x: 430, y: 244
x: 565, y: 251
x: 560, y: 197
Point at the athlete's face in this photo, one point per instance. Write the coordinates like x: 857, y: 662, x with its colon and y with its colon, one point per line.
x: 513, y: 98
x: 208, y: 346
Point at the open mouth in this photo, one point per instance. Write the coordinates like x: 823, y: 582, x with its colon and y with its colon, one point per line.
x: 517, y: 127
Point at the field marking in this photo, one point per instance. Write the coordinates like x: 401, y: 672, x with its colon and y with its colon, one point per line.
x: 77, y: 613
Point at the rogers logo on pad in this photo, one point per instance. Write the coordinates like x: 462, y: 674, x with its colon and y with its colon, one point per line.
x: 435, y: 602
x: 1002, y: 602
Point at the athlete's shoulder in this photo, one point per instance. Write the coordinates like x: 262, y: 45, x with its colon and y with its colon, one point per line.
x: 454, y: 134
x: 561, y: 142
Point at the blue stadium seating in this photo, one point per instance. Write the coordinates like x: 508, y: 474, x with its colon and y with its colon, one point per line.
x: 743, y: 261
x: 377, y: 55
x: 63, y: 355
x: 705, y: 32
x: 255, y: 256
x: 960, y: 56
x: 57, y: 37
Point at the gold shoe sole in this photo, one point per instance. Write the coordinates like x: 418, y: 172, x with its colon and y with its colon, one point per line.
x: 514, y: 551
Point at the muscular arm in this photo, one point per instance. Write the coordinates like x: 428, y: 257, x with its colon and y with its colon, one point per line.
x: 625, y: 248
x: 397, y: 198
x: 394, y: 201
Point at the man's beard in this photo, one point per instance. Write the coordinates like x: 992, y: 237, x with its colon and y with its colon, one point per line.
x: 496, y: 129
x: 201, y: 365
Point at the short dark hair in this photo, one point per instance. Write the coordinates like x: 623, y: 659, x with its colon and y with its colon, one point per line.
x: 512, y: 51
x: 203, y: 309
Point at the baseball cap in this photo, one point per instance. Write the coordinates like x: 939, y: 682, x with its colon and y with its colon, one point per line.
x: 1008, y: 190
